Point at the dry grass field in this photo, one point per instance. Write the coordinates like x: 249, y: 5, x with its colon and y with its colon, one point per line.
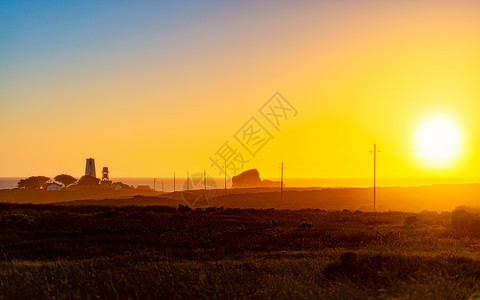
x: 98, y: 252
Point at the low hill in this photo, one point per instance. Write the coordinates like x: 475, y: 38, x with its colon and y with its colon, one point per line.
x: 134, y: 201
x: 443, y: 197
x: 433, y: 198
x: 42, y: 196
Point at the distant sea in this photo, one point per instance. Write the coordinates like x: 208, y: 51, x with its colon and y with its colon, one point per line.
x: 197, y: 183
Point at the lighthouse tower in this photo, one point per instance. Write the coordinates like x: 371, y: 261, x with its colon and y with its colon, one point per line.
x: 90, y: 167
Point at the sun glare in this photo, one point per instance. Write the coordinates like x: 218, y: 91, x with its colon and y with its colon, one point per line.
x: 438, y: 141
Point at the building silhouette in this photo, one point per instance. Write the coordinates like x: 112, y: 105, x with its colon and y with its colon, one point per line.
x: 90, y: 167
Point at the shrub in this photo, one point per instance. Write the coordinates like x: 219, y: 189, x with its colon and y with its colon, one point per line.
x: 466, y: 223
x: 307, y: 225
x: 33, y: 182
x: 411, y: 220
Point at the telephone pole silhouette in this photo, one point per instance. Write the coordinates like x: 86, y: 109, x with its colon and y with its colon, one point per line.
x: 205, y: 180
x: 281, y: 186
x: 374, y: 176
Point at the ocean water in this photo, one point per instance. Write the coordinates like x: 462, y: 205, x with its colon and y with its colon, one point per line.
x: 196, y: 182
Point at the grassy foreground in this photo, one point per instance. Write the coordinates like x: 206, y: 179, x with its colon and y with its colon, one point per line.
x: 91, y: 252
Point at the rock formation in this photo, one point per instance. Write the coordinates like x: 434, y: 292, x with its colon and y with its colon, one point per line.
x: 251, y: 179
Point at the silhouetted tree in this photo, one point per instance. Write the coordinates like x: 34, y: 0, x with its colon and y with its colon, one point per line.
x: 33, y: 182
x: 65, y: 179
x: 88, y: 181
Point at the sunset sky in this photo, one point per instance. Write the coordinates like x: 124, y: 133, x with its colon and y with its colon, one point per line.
x: 148, y: 88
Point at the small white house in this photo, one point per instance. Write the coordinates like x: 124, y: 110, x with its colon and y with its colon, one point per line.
x: 53, y: 186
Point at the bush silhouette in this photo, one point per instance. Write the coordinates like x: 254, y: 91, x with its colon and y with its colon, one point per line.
x: 33, y: 182
x: 88, y: 181
x: 65, y: 179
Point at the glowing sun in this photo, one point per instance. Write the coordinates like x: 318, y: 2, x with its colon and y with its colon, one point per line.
x: 438, y: 141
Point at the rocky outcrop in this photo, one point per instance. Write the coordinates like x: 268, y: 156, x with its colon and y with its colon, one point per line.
x: 251, y: 179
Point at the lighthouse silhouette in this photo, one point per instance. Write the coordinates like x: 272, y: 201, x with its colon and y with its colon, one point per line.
x: 90, y: 167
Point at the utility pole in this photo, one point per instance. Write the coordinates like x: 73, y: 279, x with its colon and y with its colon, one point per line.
x: 174, y: 182
x: 281, y: 187
x: 225, y: 179
x: 374, y: 176
x: 205, y: 180
x: 154, y: 180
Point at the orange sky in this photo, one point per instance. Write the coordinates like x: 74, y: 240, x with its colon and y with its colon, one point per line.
x: 148, y: 96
